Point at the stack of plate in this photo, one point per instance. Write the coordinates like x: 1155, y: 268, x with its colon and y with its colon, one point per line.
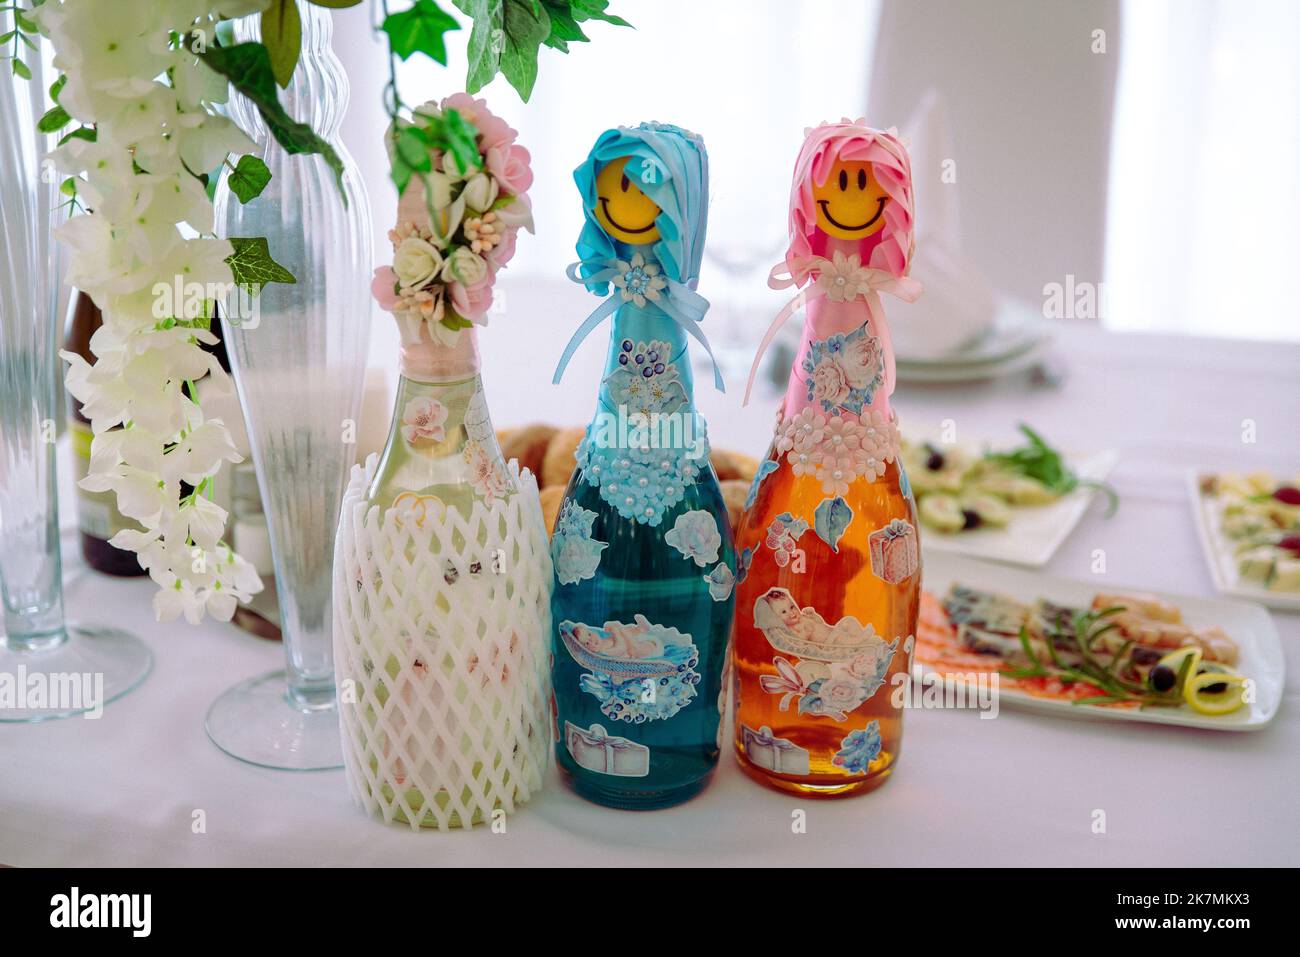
x: 1013, y: 342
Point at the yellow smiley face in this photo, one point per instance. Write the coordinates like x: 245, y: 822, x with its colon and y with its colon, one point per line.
x: 850, y: 204
x: 624, y: 212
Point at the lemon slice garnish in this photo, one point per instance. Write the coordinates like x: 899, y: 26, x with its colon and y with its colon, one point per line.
x: 1226, y: 701
x: 1174, y: 659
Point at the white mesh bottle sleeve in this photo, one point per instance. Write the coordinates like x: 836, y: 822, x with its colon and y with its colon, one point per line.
x: 441, y: 648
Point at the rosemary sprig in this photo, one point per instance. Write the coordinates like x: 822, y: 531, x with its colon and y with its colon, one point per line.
x: 1086, y: 629
x: 1039, y: 461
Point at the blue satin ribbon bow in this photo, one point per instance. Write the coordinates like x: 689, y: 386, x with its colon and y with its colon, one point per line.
x: 678, y: 302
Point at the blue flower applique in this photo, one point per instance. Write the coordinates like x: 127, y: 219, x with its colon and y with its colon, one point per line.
x: 844, y: 371
x: 695, y: 534
x: 859, y: 749
x: 646, y: 380
x: 905, y: 483
x: 744, y: 559
x: 643, y: 482
x: 721, y: 581
x: 574, y: 551
x: 765, y: 468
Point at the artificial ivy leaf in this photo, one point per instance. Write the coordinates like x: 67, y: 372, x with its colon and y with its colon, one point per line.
x: 282, y: 36
x: 485, y: 41
x: 564, y: 29
x: 248, y: 68
x: 595, y: 10
x: 252, y: 265
x: 54, y: 120
x: 248, y: 178
x: 525, y: 30
x: 420, y: 30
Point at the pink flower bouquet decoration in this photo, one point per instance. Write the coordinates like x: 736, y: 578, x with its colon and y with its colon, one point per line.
x: 456, y: 225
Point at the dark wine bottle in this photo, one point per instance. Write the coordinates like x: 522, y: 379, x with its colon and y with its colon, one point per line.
x: 97, y: 516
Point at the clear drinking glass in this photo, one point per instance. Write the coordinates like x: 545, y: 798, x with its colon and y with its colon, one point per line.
x: 55, y: 668
x: 299, y: 366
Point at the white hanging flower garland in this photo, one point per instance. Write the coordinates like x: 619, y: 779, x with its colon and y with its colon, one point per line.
x: 150, y: 129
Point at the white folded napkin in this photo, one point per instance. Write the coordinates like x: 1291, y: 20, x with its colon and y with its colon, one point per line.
x: 958, y: 305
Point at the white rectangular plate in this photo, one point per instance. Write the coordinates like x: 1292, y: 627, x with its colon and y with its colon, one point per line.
x: 1035, y: 532
x: 1248, y: 625
x: 1218, y: 552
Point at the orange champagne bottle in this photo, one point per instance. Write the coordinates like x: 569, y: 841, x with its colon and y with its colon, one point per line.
x: 830, y: 574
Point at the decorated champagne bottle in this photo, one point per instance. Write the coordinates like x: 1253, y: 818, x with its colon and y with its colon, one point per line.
x: 643, y: 556
x: 830, y: 578
x: 443, y: 573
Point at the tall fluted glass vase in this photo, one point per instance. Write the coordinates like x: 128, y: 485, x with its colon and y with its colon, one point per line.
x: 298, y: 363
x: 49, y: 668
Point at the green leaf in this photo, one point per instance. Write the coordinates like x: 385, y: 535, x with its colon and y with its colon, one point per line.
x: 248, y: 178
x: 412, y: 147
x: 335, y: 4
x: 595, y: 10
x: 282, y: 36
x: 460, y: 139
x: 525, y: 29
x: 86, y: 133
x: 486, y: 40
x: 248, y: 68
x: 420, y: 30
x: 57, y: 87
x: 20, y: 69
x: 54, y: 120
x: 69, y: 186
x: 564, y: 28
x: 24, y: 24
x: 410, y: 155
x: 6, y: 37
x: 252, y: 265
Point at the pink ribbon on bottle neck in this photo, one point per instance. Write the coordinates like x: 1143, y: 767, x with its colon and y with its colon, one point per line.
x: 869, y: 283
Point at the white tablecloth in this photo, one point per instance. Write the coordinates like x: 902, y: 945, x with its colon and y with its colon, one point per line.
x: 1021, y: 789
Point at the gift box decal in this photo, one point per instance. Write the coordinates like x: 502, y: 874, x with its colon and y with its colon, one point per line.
x: 598, y: 751
x: 773, y: 753
x: 894, y: 552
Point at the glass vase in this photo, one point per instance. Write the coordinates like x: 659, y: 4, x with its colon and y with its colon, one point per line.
x: 49, y: 668
x: 299, y: 362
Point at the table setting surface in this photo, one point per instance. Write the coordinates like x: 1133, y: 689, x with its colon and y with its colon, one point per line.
x: 142, y: 785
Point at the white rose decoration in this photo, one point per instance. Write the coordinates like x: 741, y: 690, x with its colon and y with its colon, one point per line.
x: 416, y: 263
x: 465, y: 267
x: 481, y: 192
x: 451, y: 167
x: 439, y: 186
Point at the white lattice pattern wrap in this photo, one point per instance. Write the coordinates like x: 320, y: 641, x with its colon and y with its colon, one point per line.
x: 441, y: 645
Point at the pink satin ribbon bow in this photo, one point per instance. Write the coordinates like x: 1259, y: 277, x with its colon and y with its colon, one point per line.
x: 865, y: 282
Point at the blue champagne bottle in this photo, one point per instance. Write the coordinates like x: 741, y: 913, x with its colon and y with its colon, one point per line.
x: 644, y: 560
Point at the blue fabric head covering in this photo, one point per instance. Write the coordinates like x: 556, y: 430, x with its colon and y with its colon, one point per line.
x: 670, y: 166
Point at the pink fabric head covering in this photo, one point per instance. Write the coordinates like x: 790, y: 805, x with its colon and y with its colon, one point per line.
x: 878, y: 263
x: 852, y: 141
